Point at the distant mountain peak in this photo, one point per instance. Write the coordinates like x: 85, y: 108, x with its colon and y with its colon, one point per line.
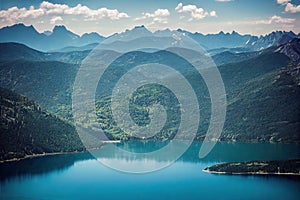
x: 234, y: 33
x: 184, y: 31
x: 164, y: 30
x: 275, y: 38
x: 61, y: 32
x: 59, y: 28
x: 93, y: 37
x: 141, y: 26
x: 137, y: 30
x: 21, y: 26
x: 91, y: 33
x: 61, y: 37
x: 164, y: 33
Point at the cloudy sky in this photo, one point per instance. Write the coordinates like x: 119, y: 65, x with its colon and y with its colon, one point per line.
x: 107, y: 17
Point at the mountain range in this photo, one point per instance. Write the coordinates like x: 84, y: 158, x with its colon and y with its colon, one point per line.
x: 260, y: 74
x: 254, y: 81
x: 58, y: 38
x: 62, y: 39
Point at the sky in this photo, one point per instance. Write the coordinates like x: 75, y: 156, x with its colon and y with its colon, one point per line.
x: 256, y: 17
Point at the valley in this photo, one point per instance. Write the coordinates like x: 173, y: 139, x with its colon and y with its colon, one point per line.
x: 262, y: 94
x: 149, y: 100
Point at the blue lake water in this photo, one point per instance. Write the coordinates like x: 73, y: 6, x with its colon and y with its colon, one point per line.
x: 79, y: 176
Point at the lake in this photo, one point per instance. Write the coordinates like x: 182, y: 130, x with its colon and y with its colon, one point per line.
x: 80, y: 176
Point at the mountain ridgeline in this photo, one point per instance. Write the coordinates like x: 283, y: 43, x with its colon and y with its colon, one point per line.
x: 56, y: 39
x: 61, y: 39
x: 262, y: 83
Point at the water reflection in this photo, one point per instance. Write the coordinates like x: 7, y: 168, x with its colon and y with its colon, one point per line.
x: 40, y: 165
x: 223, y: 152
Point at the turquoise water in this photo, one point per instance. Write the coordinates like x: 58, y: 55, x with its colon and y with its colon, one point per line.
x: 79, y: 176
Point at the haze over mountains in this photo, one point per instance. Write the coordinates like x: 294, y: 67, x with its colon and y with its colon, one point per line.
x: 261, y: 77
x: 61, y: 39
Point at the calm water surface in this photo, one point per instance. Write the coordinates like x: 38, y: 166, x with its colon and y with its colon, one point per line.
x: 79, y: 176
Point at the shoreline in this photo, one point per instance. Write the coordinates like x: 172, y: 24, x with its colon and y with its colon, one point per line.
x: 57, y: 153
x: 250, y: 173
x: 261, y: 167
x: 120, y: 141
x: 39, y: 155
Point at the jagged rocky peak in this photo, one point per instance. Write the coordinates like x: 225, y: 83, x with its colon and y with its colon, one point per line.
x: 276, y: 38
x: 291, y: 49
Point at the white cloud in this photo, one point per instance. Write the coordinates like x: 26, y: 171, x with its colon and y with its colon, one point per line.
x: 46, y: 9
x: 88, y: 13
x: 51, y: 8
x: 15, y: 14
x: 224, y: 1
x: 55, y: 19
x: 158, y: 13
x: 289, y: 7
x: 275, y: 19
x: 194, y: 11
x: 292, y: 8
x: 159, y: 16
x: 283, y: 2
x: 278, y: 19
x: 213, y: 13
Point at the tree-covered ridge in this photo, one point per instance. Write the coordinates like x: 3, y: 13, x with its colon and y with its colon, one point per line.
x: 262, y: 93
x: 276, y: 167
x: 262, y: 105
x: 26, y: 129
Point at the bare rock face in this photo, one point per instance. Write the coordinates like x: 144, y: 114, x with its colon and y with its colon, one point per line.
x: 291, y: 49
